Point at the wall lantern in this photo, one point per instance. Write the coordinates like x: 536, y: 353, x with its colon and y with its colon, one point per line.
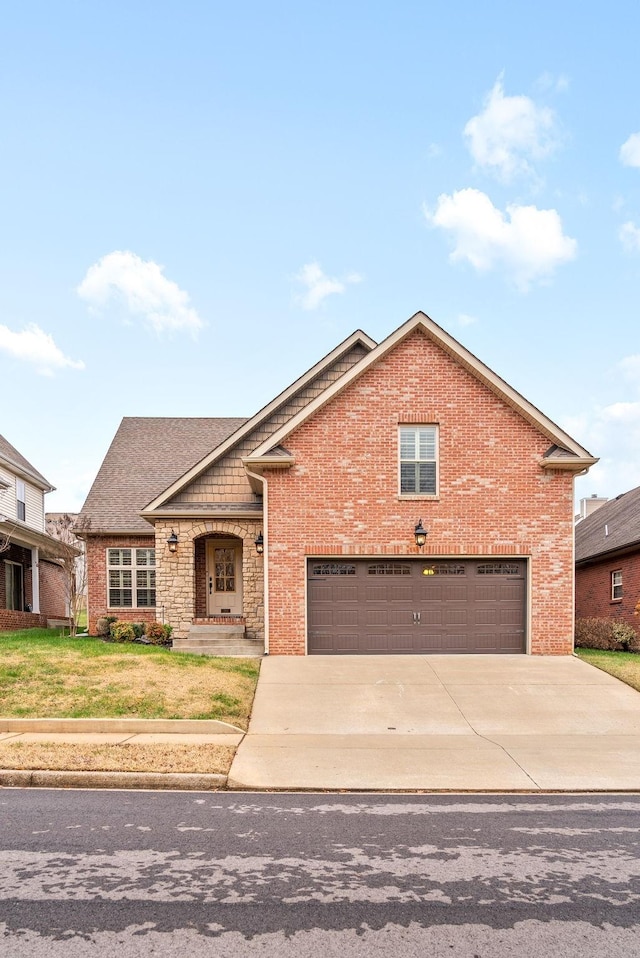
x: 420, y: 534
x: 259, y: 544
x: 172, y: 542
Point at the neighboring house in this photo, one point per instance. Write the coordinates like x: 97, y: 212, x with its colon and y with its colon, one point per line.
x: 608, y: 560
x: 62, y: 526
x: 302, y: 527
x: 31, y: 576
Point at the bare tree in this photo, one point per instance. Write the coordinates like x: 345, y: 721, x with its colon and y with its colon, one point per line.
x: 67, y: 529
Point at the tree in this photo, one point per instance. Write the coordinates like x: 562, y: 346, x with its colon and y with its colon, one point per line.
x: 67, y: 529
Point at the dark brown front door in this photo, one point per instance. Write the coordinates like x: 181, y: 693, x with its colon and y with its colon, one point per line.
x: 395, y: 606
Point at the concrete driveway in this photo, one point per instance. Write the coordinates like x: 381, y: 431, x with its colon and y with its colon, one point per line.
x: 440, y: 722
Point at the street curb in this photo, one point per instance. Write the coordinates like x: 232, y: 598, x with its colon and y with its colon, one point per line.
x: 176, y: 781
x: 131, y: 726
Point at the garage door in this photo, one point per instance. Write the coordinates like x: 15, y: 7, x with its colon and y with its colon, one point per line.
x: 416, y: 606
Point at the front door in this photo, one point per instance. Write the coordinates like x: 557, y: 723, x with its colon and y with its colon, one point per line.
x: 224, y: 577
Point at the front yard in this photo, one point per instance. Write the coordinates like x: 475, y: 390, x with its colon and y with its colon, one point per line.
x: 44, y: 674
x: 624, y: 665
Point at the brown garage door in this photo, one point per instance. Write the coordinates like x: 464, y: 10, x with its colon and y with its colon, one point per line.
x: 382, y: 607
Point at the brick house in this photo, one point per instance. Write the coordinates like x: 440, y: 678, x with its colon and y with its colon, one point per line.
x: 608, y: 560
x: 398, y: 497
x: 32, y: 577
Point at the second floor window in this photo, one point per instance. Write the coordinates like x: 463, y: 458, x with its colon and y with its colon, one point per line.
x: 418, y: 460
x: 21, y: 501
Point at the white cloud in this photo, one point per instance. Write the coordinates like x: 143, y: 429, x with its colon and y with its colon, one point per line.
x: 630, y: 151
x: 318, y: 286
x: 630, y: 237
x: 612, y: 432
x: 35, y: 346
x: 509, y: 132
x: 527, y: 241
x: 143, y: 288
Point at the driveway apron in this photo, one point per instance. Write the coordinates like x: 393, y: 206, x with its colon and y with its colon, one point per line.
x: 439, y: 722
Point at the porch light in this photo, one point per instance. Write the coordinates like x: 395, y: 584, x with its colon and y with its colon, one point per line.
x: 420, y: 534
x: 259, y: 544
x: 172, y: 542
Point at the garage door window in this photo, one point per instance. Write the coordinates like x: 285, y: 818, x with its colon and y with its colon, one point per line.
x: 498, y: 568
x: 389, y: 568
x: 333, y: 568
x: 418, y: 460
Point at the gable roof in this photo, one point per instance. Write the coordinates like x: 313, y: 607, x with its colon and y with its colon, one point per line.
x: 564, y: 453
x: 15, y: 462
x: 146, y: 455
x: 356, y: 338
x: 613, y: 527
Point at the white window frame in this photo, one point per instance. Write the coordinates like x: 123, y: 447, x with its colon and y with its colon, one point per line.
x: 21, y: 500
x: 141, y: 565
x: 616, y: 584
x: 415, y: 428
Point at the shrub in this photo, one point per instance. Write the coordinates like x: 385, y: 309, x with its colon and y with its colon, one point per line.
x: 103, y: 625
x: 138, y: 629
x: 122, y: 632
x: 606, y: 634
x: 626, y: 636
x: 157, y: 633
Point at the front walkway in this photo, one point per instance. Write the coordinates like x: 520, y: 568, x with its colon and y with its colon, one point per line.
x: 440, y: 722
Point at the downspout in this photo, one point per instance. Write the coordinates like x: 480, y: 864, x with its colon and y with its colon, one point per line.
x: 265, y: 555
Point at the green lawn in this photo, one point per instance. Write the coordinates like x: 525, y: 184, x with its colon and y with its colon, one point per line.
x: 624, y: 665
x: 44, y: 674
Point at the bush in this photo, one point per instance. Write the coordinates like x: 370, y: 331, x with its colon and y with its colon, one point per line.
x: 122, y: 632
x: 157, y: 633
x: 138, y: 629
x: 104, y: 623
x: 626, y: 636
x: 606, y: 634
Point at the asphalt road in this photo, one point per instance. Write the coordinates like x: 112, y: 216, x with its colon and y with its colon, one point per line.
x: 196, y: 874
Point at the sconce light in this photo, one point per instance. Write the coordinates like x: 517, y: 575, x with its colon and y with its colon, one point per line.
x: 420, y: 534
x: 172, y: 542
x: 259, y: 544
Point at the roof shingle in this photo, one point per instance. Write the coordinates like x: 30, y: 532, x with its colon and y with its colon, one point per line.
x: 148, y: 454
x: 13, y: 457
x: 615, y: 525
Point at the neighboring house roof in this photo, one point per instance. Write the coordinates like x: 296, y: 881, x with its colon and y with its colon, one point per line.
x: 15, y: 462
x: 564, y: 453
x: 146, y: 455
x: 614, y: 527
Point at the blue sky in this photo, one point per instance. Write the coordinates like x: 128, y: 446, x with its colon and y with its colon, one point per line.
x: 199, y: 200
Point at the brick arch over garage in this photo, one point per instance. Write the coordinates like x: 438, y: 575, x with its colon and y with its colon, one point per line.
x: 176, y: 591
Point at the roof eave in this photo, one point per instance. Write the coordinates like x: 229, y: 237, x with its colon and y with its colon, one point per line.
x: 25, y: 474
x: 577, y: 465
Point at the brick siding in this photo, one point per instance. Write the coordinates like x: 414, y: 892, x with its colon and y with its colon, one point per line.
x: 53, y: 590
x: 97, y: 595
x: 10, y: 620
x: 341, y: 497
x: 593, y: 590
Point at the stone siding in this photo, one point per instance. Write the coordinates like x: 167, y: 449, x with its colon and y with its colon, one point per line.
x: 176, y: 572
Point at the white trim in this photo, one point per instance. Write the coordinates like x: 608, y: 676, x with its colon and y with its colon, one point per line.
x: 477, y: 368
x: 265, y: 554
x: 35, y: 580
x: 264, y: 413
